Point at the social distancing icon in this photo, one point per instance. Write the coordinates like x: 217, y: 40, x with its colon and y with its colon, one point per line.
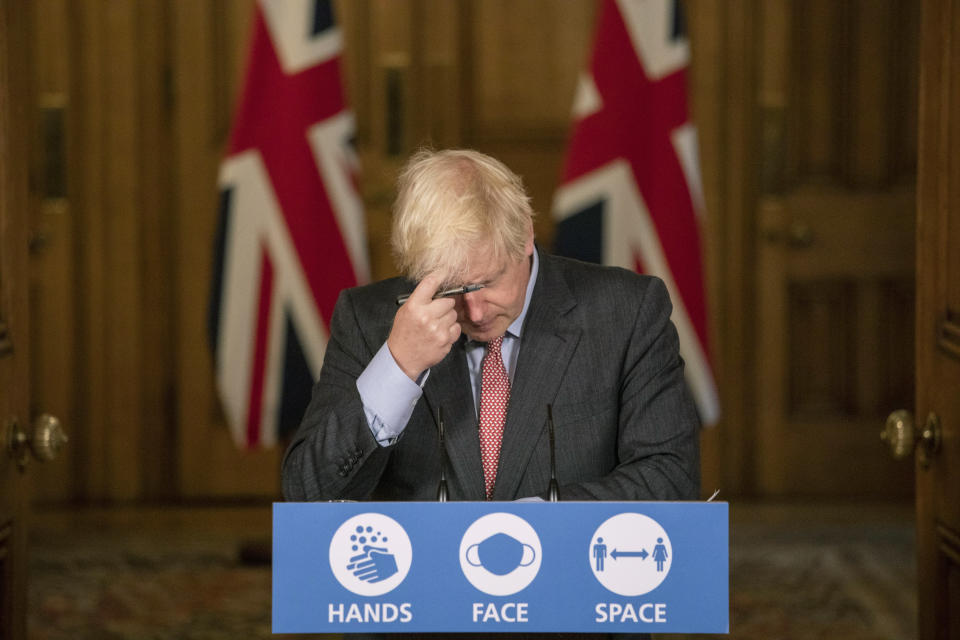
x: 630, y: 554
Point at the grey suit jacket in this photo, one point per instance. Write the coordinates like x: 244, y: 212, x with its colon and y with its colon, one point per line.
x: 597, y: 344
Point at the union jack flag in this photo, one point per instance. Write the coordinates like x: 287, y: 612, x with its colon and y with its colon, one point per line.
x: 291, y: 228
x: 631, y: 194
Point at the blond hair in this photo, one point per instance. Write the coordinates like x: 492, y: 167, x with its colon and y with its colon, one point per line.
x: 451, y: 201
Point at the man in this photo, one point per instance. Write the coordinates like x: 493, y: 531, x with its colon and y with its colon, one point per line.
x: 596, y: 343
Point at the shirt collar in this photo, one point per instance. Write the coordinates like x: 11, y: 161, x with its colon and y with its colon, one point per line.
x: 516, y: 327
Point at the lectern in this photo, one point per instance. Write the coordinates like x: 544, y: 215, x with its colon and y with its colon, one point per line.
x: 490, y: 567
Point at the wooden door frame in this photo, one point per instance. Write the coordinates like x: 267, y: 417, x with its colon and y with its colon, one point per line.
x: 938, y: 344
x: 723, y: 86
x: 14, y: 337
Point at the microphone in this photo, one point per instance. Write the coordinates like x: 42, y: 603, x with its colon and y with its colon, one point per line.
x: 442, y: 487
x: 553, y: 493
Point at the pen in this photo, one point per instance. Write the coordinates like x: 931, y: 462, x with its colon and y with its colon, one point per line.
x: 446, y: 294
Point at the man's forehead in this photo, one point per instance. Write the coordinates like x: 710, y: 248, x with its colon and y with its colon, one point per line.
x: 483, y: 265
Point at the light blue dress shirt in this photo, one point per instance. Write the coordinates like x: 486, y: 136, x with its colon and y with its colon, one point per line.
x: 389, y: 396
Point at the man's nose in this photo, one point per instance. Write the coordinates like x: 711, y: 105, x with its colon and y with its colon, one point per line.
x: 473, y: 304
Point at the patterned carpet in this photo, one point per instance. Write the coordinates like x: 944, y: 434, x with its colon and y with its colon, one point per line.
x: 798, y: 573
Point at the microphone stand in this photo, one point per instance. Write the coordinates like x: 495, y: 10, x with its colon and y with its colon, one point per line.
x: 553, y: 492
x: 442, y: 487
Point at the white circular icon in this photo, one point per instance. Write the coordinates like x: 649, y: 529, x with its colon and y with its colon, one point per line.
x: 500, y: 554
x: 370, y: 554
x: 630, y: 554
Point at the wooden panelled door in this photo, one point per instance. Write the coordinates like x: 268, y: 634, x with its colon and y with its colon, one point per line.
x: 835, y: 255
x: 938, y: 323
x: 14, y: 320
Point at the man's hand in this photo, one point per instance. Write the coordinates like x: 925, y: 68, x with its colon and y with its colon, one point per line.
x: 423, y: 330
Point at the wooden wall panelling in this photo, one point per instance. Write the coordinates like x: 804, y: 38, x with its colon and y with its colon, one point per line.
x: 709, y: 75
x: 404, y: 72
x: 429, y: 65
x: 421, y: 36
x: 705, y: 79
x: 354, y: 20
x: 739, y: 184
x: 155, y: 202
x: 210, y: 464
x: 227, y: 53
x: 364, y: 84
x: 383, y: 46
x: 120, y: 235
x: 92, y: 434
x: 440, y: 78
x: 467, y: 55
x: 521, y: 88
x: 392, y: 95
x: 523, y: 79
x: 53, y: 291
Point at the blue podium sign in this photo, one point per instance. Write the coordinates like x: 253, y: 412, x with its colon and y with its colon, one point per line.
x: 609, y: 567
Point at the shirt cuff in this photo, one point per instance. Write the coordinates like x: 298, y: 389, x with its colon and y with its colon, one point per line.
x: 388, y: 396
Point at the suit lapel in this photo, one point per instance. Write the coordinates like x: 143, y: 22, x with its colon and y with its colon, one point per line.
x: 447, y: 386
x: 548, y: 342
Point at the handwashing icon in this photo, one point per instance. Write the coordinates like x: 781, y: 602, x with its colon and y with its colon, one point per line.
x: 500, y: 554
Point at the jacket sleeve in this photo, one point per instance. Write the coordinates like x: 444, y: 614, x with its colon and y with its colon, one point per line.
x: 333, y: 454
x: 658, y: 430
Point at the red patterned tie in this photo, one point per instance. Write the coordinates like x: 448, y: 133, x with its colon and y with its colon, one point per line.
x: 494, y: 398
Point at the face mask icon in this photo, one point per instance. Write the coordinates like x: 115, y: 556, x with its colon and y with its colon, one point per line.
x: 500, y: 554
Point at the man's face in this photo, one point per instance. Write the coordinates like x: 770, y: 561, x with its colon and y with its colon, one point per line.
x: 485, y: 314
